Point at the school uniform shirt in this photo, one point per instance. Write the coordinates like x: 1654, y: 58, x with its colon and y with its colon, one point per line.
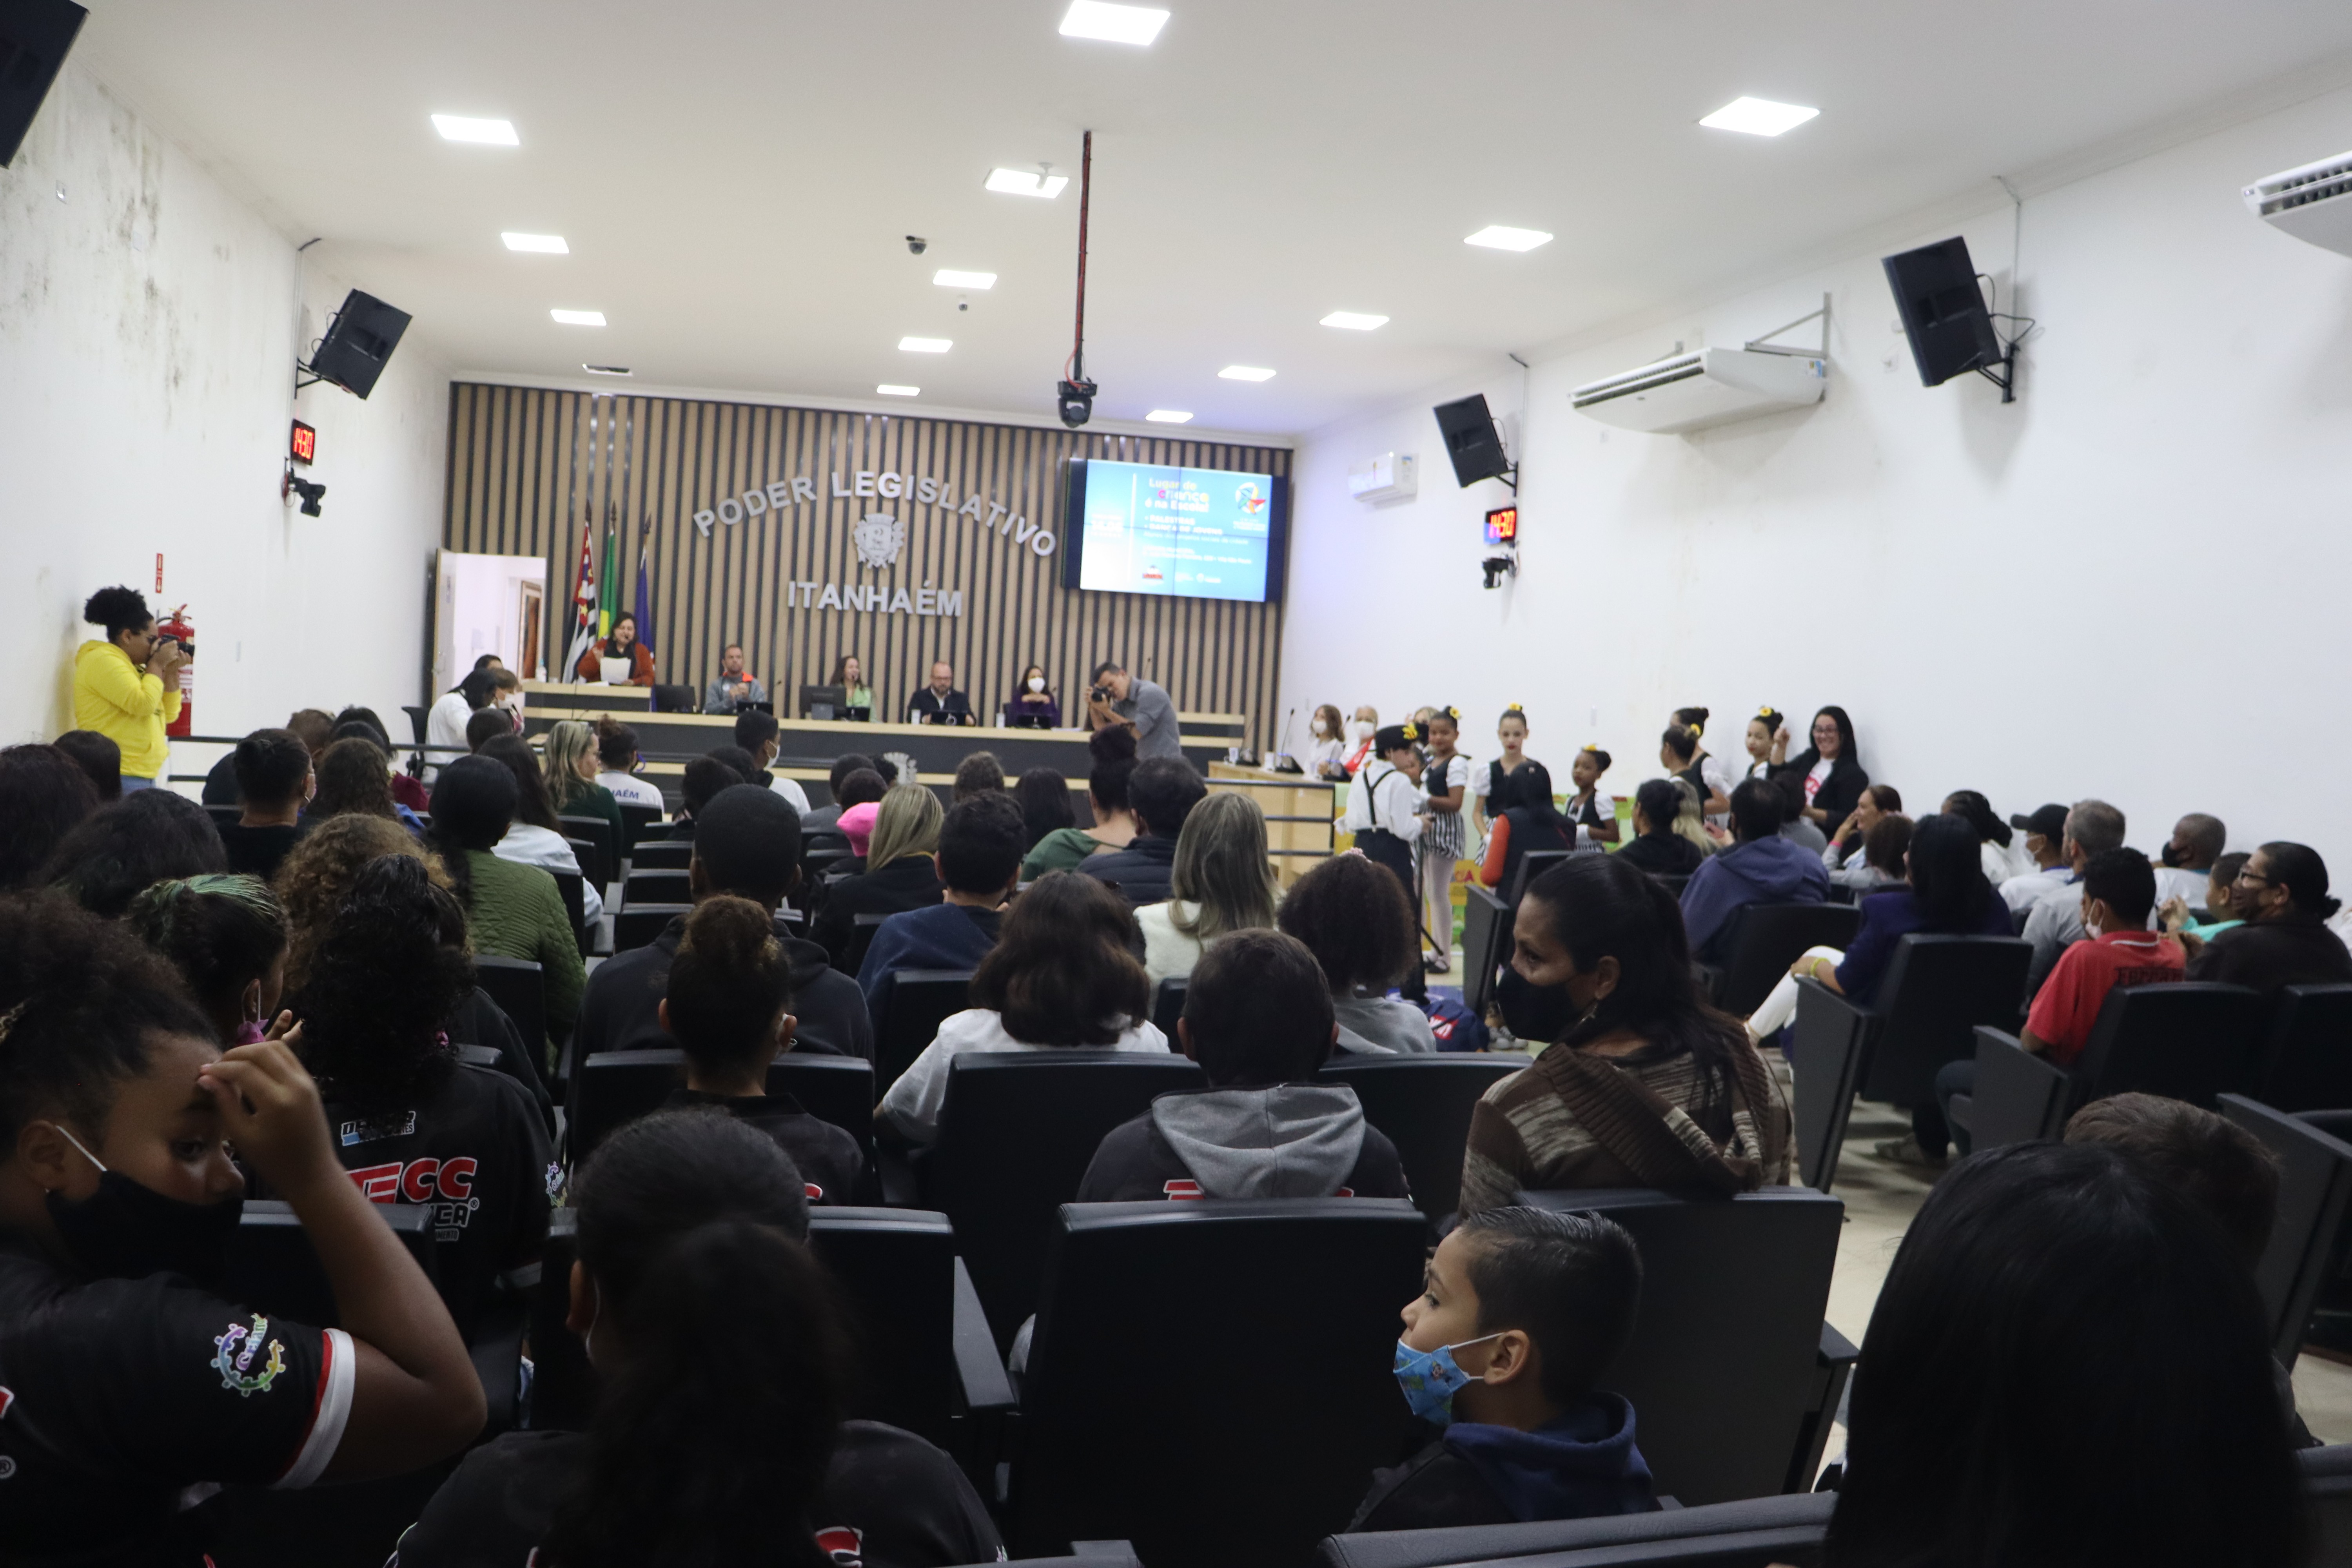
x: 119, y: 1395
x: 257, y: 852
x: 621, y: 1010
x: 830, y: 1164
x: 2068, y: 1003
x: 1286, y: 1140
x: 889, y: 1500
x: 525, y: 845
x: 912, y: 1104
x: 631, y: 790
x: 1381, y: 797
x: 1581, y: 1463
x: 1443, y: 829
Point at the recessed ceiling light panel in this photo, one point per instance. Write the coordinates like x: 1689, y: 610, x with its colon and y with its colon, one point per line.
x: 889, y: 390
x: 1169, y: 416
x: 949, y: 277
x: 1355, y: 321
x: 1758, y: 116
x: 539, y: 244
x: 1026, y: 182
x: 1112, y: 24
x: 579, y: 318
x: 925, y: 346
x: 489, y: 132
x: 1246, y: 373
x: 1499, y: 236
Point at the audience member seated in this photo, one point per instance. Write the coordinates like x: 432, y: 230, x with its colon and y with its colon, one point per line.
x: 756, y: 732
x: 354, y: 779
x: 274, y: 782
x: 1851, y: 836
x: 1691, y: 823
x: 1879, y: 868
x: 1258, y: 1021
x: 445, y: 721
x: 1221, y: 880
x: 724, y: 1359
x: 2045, y: 846
x: 729, y: 1007
x: 128, y: 1376
x: 2068, y: 1363
x: 1044, y: 797
x: 2221, y: 906
x: 1060, y: 975
x: 1065, y: 848
x: 512, y: 911
x: 703, y: 778
x: 1656, y: 847
x: 2185, y: 865
x: 616, y: 759
x: 1358, y: 922
x: 44, y: 796
x: 1993, y: 834
x: 2093, y: 826
x: 749, y: 846
x: 536, y: 838
x: 1541, y: 1303
x: 418, y: 1126
x: 1761, y: 868
x: 822, y: 818
x: 315, y: 880
x: 979, y: 864
x: 856, y: 824
x: 570, y: 767
x: 747, y: 766
x: 862, y: 786
x: 977, y: 772
x: 146, y: 836
x: 98, y: 758
x: 407, y: 790
x: 2281, y: 897
x: 899, y: 874
x: 1650, y: 1086
x: 1827, y: 775
x: 1794, y: 826
x: 1163, y: 792
x: 227, y: 936
x: 1522, y: 816
x: 486, y: 726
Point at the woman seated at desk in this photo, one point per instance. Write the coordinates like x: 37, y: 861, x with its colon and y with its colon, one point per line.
x: 622, y: 644
x: 1032, y: 705
x: 850, y: 676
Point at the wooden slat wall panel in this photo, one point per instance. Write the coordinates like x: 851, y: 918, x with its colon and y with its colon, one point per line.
x: 530, y: 470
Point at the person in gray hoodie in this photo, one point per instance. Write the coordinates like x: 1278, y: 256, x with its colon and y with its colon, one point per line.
x: 1761, y: 868
x: 1258, y: 1020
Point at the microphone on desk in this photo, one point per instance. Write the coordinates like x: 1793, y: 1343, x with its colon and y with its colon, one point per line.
x: 1280, y: 761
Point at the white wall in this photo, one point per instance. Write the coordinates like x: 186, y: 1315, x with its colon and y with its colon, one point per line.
x: 2131, y: 583
x: 148, y: 331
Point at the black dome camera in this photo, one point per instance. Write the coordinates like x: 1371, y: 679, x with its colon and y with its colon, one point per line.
x: 917, y: 244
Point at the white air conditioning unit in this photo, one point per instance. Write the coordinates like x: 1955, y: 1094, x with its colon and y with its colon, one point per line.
x: 1391, y: 476
x: 2313, y: 202
x: 1693, y: 391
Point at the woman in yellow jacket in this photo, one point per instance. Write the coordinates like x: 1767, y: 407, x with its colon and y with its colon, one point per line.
x: 127, y: 688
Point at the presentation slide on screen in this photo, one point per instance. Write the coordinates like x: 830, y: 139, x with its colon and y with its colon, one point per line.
x: 1199, y: 533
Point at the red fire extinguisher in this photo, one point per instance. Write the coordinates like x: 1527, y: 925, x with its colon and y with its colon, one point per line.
x: 177, y: 625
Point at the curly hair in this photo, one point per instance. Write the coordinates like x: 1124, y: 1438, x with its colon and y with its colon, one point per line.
x: 315, y: 880
x: 144, y: 837
x: 388, y: 972
x: 118, y: 609
x: 1354, y: 917
x: 1062, y: 971
x: 222, y: 932
x: 354, y: 779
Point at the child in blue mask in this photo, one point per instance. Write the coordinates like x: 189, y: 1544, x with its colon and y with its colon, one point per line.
x: 1521, y: 1312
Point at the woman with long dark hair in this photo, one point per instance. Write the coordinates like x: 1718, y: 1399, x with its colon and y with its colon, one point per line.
x: 1829, y: 773
x: 1878, y: 801
x: 512, y: 911
x: 536, y: 838
x: 1993, y: 834
x: 1647, y: 1086
x: 1044, y: 797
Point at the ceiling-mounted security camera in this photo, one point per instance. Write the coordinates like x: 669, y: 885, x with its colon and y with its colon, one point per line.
x: 917, y: 244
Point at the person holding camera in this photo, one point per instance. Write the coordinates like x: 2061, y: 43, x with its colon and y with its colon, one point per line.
x: 126, y: 687
x: 1119, y: 700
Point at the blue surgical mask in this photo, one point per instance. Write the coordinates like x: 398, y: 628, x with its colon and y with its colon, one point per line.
x: 1431, y: 1378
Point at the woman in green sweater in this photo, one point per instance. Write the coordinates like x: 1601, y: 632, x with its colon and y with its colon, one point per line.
x: 1065, y: 848
x: 512, y: 911
x: 571, y: 785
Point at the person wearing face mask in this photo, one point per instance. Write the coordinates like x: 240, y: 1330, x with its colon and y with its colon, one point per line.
x: 1032, y: 705
x: 1829, y: 773
x: 2185, y: 864
x: 1360, y: 732
x: 2043, y: 842
x: 1541, y: 1304
x: 1326, y: 745
x: 2281, y: 897
x: 130, y: 1378
x: 227, y: 936
x: 1594, y: 1109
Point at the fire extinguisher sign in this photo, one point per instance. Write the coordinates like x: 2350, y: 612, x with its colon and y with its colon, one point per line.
x: 159, y: 570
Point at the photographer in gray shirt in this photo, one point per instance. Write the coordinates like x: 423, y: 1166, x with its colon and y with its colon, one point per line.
x: 1117, y: 697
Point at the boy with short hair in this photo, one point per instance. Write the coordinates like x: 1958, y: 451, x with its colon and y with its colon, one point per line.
x: 274, y: 782
x: 1257, y: 1017
x: 2119, y: 891
x: 1539, y: 1304
x: 981, y: 841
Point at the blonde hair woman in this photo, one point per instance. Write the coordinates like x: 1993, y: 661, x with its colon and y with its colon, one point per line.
x: 898, y: 875
x: 572, y: 787
x: 1222, y: 881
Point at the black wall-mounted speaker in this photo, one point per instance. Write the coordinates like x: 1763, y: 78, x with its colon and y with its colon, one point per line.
x: 1943, y: 311
x: 35, y: 35
x: 358, y: 341
x: 1471, y: 441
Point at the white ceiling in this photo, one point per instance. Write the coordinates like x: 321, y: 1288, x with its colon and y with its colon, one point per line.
x: 735, y: 177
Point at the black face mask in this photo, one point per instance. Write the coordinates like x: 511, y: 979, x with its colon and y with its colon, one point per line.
x: 2170, y: 855
x: 126, y: 1231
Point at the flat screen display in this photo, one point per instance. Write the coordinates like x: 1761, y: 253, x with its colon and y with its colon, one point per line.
x: 1193, y: 533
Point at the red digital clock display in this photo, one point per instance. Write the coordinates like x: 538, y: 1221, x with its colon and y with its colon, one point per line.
x: 1502, y: 525
x: 305, y: 446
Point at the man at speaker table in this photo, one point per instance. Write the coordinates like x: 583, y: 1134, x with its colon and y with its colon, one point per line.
x: 622, y: 644
x: 940, y: 703
x: 1118, y: 698
x: 731, y: 685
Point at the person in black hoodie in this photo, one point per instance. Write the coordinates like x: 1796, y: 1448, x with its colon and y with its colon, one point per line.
x: 728, y: 1009
x: 1656, y: 848
x: 1163, y: 792
x: 1258, y: 1019
x: 1541, y: 1303
x: 748, y: 844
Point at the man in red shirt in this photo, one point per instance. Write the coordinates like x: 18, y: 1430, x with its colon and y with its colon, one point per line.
x: 2119, y: 891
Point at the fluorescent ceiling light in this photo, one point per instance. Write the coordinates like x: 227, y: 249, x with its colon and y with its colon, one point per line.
x: 887, y: 390
x: 925, y: 346
x: 949, y: 277
x: 1025, y: 182
x: 543, y: 244
x: 1354, y: 322
x: 579, y: 318
x: 1112, y: 24
x: 1758, y: 116
x: 1498, y: 236
x: 1246, y: 373
x: 608, y: 370
x: 1169, y: 416
x: 458, y: 128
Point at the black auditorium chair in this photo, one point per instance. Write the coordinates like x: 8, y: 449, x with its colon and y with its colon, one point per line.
x: 1734, y: 1373
x: 515, y: 984
x: 914, y: 1003
x: 1138, y: 1422
x: 1423, y: 1103
x: 271, y: 1267
x: 2308, y: 1058
x: 572, y: 888
x: 1017, y: 1130
x: 637, y: 822
x: 862, y: 928
x: 1749, y: 1533
x: 637, y: 924
x: 618, y: 1087
x: 662, y: 855
x: 1673, y: 882
x: 1533, y: 864
x: 2187, y: 1040
x: 1763, y: 940
x: 1485, y: 945
x: 598, y: 833
x: 1168, y: 1006
x: 2306, y: 1240
x: 662, y: 885
x: 1936, y: 991
x: 2327, y: 1501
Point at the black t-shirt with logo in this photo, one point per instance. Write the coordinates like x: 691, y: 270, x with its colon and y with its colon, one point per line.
x: 119, y: 1395
x: 890, y: 1500
x: 831, y: 1163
